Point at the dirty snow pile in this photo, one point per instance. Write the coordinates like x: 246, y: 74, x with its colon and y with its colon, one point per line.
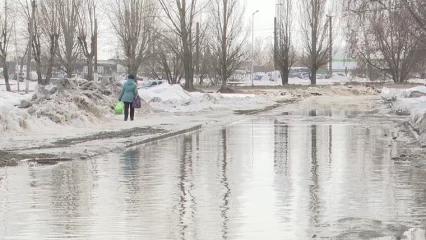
x: 173, y: 98
x: 76, y: 103
x: 11, y: 117
x: 73, y: 102
x: 410, y: 102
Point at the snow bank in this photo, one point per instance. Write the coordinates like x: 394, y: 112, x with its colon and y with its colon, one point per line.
x: 395, y: 94
x: 173, y: 98
x: 164, y: 92
x: 75, y: 103
x: 410, y: 102
x: 11, y: 98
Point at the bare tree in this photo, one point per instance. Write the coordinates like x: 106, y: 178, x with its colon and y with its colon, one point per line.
x: 22, y: 62
x: 286, y: 55
x: 87, y: 34
x: 133, y: 21
x: 45, y: 40
x: 358, y: 37
x: 390, y: 39
x: 5, y: 34
x: 168, y: 55
x: 314, y: 30
x: 395, y: 42
x: 416, y: 9
x: 67, y: 51
x: 36, y: 40
x: 181, y: 18
x: 229, y: 37
x: 49, y: 25
x: 36, y: 46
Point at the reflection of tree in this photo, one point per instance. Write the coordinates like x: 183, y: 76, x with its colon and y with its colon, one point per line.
x: 71, y: 191
x: 330, y: 143
x: 281, y: 148
x: 130, y: 169
x: 224, y: 181
x: 186, y: 186
x: 282, y: 178
x: 313, y: 189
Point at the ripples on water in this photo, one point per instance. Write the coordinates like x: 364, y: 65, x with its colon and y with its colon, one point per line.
x: 260, y: 179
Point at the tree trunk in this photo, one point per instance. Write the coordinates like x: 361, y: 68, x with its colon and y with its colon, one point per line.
x: 48, y: 74
x: 53, y: 44
x: 314, y: 37
x: 285, y: 71
x: 313, y: 76
x: 133, y: 69
x: 224, y: 46
x: 38, y: 71
x: 69, y: 71
x: 187, y: 60
x: 224, y: 80
x: 188, y: 69
x: 284, y: 76
x: 21, y: 66
x: 90, y: 68
x: 6, y: 77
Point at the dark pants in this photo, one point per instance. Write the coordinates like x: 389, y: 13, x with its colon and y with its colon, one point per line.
x: 126, y: 110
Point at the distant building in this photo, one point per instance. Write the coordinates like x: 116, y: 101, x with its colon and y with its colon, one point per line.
x: 341, y: 64
x: 109, y: 67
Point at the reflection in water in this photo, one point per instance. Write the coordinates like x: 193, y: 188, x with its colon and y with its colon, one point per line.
x: 313, y: 188
x: 224, y: 181
x: 325, y: 113
x: 260, y: 179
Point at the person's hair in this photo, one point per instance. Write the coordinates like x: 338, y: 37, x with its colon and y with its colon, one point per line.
x: 131, y: 76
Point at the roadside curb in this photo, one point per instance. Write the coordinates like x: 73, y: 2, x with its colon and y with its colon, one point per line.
x: 164, y: 136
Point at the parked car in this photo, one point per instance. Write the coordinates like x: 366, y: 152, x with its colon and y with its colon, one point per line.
x: 299, y: 72
x: 12, y: 76
x: 304, y: 75
x: 151, y: 83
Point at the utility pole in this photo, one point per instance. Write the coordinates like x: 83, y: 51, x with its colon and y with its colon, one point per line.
x: 277, y: 30
x: 16, y: 61
x: 197, y: 49
x: 275, y: 43
x: 330, y: 67
x: 252, y: 45
x: 96, y: 48
x: 31, y: 29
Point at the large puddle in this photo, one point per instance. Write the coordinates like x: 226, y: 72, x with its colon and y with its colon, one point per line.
x: 260, y: 179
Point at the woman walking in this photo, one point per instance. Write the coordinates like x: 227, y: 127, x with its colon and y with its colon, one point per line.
x: 127, y: 95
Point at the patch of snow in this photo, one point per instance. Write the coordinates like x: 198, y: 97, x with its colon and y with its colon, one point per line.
x: 394, y: 94
x: 410, y: 102
x: 14, y: 85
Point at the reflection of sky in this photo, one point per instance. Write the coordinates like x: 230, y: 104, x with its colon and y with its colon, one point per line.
x: 259, y: 179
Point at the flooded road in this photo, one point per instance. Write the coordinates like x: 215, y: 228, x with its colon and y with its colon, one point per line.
x: 295, y: 176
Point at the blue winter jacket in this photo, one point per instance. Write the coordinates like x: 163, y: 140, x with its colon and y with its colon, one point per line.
x: 128, y: 91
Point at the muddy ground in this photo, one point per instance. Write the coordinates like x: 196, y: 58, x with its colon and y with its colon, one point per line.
x: 12, y: 158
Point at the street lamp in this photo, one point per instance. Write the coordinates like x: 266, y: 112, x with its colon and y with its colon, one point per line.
x: 277, y: 20
x: 252, y: 44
